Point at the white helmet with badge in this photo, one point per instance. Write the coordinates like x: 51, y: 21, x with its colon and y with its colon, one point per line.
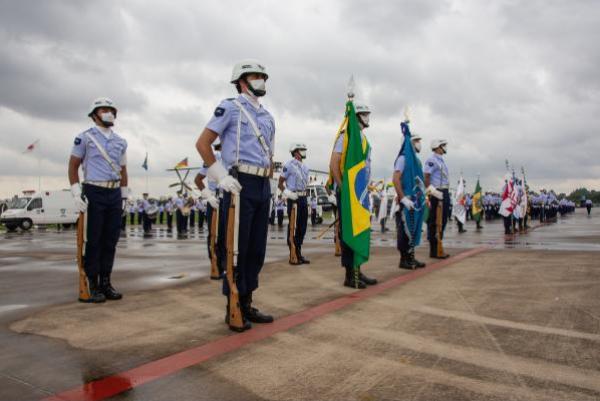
x: 436, y: 143
x: 298, y: 146
x: 102, y: 102
x: 416, y: 141
x: 247, y: 66
x: 362, y: 112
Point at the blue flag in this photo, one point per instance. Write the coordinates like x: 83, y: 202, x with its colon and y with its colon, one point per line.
x: 413, y: 185
x: 145, y: 164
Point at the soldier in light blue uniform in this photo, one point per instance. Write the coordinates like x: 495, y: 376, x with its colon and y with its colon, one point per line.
x: 313, y: 210
x: 103, y: 155
x: 437, y: 183
x: 146, y: 220
x: 363, y: 114
x: 295, y: 176
x: 247, y: 134
x: 403, y: 243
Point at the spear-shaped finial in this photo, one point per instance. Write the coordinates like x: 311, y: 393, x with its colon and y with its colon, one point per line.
x: 506, y: 164
x: 351, y: 87
x: 406, y: 114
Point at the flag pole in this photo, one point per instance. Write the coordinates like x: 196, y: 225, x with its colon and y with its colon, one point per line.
x: 39, y: 170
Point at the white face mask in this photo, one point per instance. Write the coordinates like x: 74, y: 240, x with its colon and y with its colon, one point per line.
x: 303, y: 154
x: 257, y: 87
x: 444, y: 149
x: 364, y: 119
x: 417, y: 146
x: 107, y: 118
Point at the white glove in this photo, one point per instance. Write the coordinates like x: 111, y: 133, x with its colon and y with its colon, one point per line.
x: 289, y: 194
x: 409, y: 204
x: 217, y: 173
x: 332, y: 200
x: 433, y: 191
x: 210, y: 197
x: 80, y: 202
x: 124, y: 192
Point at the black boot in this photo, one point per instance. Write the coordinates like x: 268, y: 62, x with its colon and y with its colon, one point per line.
x: 246, y: 325
x: 414, y: 261
x: 365, y: 279
x: 96, y: 296
x: 433, y: 248
x: 107, y: 289
x: 351, y: 282
x: 406, y: 262
x: 253, y: 314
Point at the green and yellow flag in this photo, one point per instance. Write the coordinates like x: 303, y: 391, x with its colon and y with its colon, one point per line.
x: 477, y: 206
x: 355, y: 215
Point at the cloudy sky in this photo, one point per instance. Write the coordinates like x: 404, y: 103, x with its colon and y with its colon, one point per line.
x: 517, y: 80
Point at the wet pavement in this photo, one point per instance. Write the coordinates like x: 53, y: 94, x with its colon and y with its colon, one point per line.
x: 518, y: 321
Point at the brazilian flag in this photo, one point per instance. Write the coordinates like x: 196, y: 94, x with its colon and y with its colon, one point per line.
x: 355, y: 215
x: 477, y: 206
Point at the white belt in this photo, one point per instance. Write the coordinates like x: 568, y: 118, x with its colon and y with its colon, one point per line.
x: 254, y: 170
x: 104, y: 184
x: 301, y: 193
x: 443, y: 187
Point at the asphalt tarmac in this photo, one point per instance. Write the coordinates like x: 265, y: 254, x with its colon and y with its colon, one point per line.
x: 512, y: 317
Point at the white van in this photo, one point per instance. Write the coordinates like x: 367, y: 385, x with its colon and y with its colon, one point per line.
x: 48, y: 207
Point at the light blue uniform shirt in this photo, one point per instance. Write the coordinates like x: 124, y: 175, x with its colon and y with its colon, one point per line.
x: 339, y: 147
x: 296, y: 175
x: 95, y: 167
x: 146, y: 204
x: 212, y: 185
x: 436, y: 167
x: 224, y: 123
x: 400, y: 163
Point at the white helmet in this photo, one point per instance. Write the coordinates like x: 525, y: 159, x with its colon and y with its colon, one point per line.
x: 102, y: 102
x: 247, y: 66
x: 436, y: 143
x: 415, y: 137
x: 361, y: 108
x: 297, y: 146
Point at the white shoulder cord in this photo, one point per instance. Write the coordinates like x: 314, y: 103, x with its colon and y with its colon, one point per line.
x: 105, y: 155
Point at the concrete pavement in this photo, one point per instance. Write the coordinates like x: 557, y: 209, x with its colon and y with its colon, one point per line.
x: 516, y: 321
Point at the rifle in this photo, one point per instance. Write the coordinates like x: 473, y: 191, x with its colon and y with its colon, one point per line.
x: 84, y: 285
x: 438, y: 228
x: 214, y: 230
x: 322, y: 233
x: 337, y: 238
x: 292, y: 230
x: 233, y: 220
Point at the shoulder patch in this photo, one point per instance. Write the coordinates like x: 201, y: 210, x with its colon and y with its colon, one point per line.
x: 77, y: 141
x: 285, y: 169
x: 430, y: 164
x: 219, y: 111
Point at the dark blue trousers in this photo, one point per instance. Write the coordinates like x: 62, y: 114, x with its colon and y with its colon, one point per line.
x: 103, y: 229
x: 253, y: 228
x: 301, y: 223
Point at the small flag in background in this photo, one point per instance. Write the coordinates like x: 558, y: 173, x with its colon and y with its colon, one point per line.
x: 477, y: 206
x: 182, y: 164
x: 32, y: 147
x: 145, y: 164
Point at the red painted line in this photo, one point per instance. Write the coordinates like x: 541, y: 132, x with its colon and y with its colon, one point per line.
x: 113, y: 385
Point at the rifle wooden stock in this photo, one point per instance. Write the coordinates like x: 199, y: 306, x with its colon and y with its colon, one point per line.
x: 292, y: 231
x: 338, y: 238
x: 438, y: 228
x: 235, y: 313
x: 214, y: 270
x: 324, y: 231
x: 84, y: 287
